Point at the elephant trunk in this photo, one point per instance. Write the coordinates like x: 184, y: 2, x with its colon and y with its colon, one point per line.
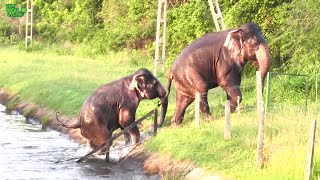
x: 164, y: 103
x: 263, y: 57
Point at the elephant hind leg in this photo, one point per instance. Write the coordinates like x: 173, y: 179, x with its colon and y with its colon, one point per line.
x: 91, y: 145
x: 182, y: 103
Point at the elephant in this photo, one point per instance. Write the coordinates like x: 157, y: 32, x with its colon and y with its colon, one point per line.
x: 216, y: 59
x: 114, y: 106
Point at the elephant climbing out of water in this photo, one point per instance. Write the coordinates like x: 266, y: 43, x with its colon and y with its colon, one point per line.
x: 216, y: 59
x: 114, y: 106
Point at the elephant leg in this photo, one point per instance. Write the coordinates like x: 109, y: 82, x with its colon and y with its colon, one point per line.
x: 135, y: 134
x: 204, y: 106
x: 182, y: 103
x: 91, y: 145
x: 127, y: 117
x: 107, y: 148
x: 127, y: 137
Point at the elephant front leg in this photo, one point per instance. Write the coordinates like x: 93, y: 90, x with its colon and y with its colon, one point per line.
x: 127, y: 117
x: 127, y: 137
x: 135, y: 135
x: 107, y: 148
x: 204, y: 105
x: 233, y: 96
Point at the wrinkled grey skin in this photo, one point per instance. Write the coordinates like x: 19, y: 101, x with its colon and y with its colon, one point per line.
x: 114, y: 106
x: 216, y: 59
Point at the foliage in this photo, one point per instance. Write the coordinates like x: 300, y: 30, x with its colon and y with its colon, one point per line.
x: 128, y: 24
x: 6, y: 27
x: 186, y: 23
x: 300, y: 37
x: 291, y: 27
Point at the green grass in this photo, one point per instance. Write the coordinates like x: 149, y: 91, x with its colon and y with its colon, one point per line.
x: 62, y: 83
x: 285, y: 147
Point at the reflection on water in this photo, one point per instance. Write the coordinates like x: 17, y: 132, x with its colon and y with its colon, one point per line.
x: 28, y: 152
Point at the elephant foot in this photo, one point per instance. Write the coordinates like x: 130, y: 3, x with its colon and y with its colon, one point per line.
x: 205, y: 115
x: 101, y: 152
x: 175, y: 125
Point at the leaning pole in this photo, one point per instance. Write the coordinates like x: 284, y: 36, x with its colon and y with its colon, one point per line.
x: 29, y: 21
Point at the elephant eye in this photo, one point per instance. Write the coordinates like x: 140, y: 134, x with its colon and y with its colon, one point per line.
x: 149, y: 86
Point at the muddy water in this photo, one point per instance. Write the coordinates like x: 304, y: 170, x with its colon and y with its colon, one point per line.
x: 28, y: 152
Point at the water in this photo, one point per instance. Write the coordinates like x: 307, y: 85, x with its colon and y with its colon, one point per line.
x: 28, y: 152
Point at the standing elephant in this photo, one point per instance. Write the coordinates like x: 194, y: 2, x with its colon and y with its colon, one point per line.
x: 114, y: 106
x: 216, y: 59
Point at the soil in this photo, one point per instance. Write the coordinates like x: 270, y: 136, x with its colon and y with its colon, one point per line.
x: 152, y: 163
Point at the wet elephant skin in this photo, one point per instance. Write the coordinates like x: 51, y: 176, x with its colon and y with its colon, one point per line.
x: 114, y: 106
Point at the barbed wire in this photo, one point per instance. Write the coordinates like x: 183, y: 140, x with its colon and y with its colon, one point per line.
x: 288, y: 132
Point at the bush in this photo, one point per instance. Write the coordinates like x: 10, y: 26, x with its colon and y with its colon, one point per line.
x: 4, y: 41
x: 186, y: 23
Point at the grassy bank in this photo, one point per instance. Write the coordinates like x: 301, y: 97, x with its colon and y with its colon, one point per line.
x: 285, y: 148
x: 63, y: 82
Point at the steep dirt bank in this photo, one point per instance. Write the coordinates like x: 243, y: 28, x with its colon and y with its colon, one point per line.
x: 151, y: 163
x: 30, y: 110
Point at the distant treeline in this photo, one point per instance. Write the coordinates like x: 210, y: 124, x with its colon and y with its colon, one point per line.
x: 292, y: 27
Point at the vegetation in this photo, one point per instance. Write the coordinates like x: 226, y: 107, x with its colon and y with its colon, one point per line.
x: 285, y: 146
x: 82, y: 44
x: 12, y: 103
x: 91, y: 28
x: 45, y: 122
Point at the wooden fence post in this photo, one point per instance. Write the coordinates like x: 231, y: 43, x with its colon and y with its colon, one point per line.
x: 227, y: 124
x: 238, y: 104
x: 155, y: 121
x: 310, y: 151
x: 197, y: 109
x: 260, y: 157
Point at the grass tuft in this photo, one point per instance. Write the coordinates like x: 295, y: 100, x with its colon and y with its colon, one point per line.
x: 12, y: 103
x: 45, y: 121
x: 29, y: 112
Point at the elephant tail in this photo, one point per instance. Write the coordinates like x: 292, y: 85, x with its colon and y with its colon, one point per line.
x: 73, y: 126
x: 170, y: 78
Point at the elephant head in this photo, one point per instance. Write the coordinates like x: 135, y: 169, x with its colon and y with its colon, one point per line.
x: 149, y: 87
x: 248, y: 44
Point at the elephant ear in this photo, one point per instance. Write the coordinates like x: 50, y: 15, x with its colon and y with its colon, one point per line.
x: 138, y: 84
x: 234, y: 42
